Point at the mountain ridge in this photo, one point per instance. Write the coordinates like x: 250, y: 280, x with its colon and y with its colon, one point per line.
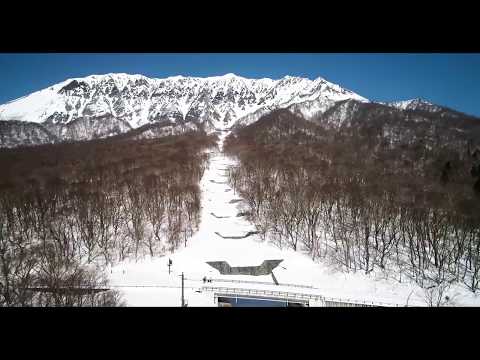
x: 98, y: 106
x: 95, y: 85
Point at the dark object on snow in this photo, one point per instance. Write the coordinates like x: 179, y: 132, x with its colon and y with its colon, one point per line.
x: 274, y: 279
x: 244, y: 213
x: 219, y: 217
x: 204, y: 279
x: 264, y: 269
x: 238, y: 237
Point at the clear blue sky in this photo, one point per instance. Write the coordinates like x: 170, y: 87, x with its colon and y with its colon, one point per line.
x: 452, y: 80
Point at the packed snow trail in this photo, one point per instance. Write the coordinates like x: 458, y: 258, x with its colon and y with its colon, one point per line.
x: 220, y: 207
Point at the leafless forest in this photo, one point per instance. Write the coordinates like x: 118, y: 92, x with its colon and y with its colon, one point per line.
x: 361, y: 200
x: 68, y: 209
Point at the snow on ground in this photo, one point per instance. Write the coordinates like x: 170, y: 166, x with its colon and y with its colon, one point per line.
x: 163, y: 289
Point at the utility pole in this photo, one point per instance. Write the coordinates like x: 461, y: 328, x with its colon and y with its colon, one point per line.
x: 183, y: 299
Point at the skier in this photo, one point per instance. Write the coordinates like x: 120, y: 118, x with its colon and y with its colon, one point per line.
x: 204, y: 279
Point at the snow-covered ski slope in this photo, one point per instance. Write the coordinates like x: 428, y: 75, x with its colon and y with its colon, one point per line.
x: 148, y: 283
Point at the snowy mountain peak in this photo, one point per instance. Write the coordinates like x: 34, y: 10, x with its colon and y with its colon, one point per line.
x: 420, y: 100
x: 319, y: 79
x: 126, y: 101
x: 414, y: 104
x: 230, y: 75
x: 404, y: 104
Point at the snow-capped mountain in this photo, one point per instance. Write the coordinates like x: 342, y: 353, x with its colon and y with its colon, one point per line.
x: 407, y: 123
x: 103, y: 105
x: 414, y: 104
x: 423, y: 105
x: 306, y: 98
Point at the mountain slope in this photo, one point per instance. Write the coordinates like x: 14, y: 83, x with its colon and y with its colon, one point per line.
x: 14, y: 133
x: 406, y: 122
x: 105, y: 105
